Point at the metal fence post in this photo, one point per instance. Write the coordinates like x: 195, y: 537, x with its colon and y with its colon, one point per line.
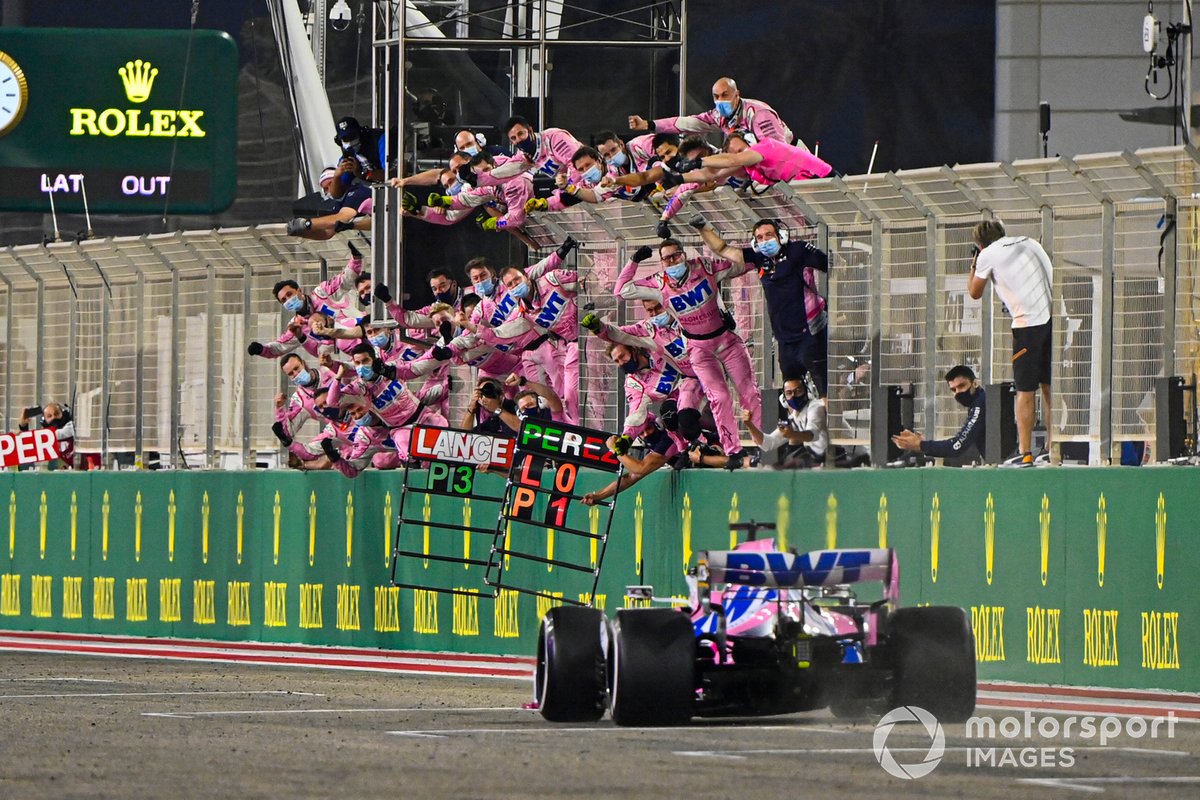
x: 8, y: 341
x: 39, y: 371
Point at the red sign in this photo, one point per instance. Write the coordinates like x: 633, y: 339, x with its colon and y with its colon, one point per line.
x: 28, y: 447
x: 461, y: 447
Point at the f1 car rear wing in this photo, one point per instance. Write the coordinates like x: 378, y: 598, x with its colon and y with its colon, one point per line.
x: 781, y: 570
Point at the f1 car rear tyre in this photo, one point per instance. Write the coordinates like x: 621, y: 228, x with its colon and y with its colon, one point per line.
x: 934, y: 652
x: 570, y: 682
x: 652, y: 667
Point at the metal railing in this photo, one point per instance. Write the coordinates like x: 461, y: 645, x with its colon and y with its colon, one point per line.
x: 146, y: 336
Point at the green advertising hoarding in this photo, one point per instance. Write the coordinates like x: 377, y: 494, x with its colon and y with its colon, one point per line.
x: 1070, y: 576
x: 129, y: 119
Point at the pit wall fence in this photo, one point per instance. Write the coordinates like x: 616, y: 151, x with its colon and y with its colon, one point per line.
x: 1071, y: 576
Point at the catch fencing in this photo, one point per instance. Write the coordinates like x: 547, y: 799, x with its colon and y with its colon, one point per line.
x: 147, y: 335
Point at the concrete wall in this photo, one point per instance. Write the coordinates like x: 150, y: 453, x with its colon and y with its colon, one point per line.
x: 1085, y: 58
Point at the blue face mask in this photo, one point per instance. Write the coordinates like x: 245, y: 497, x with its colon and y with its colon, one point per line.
x: 485, y: 287
x: 592, y: 176
x: 379, y: 341
x: 797, y: 403
x: 770, y: 248
x: 725, y: 108
x: 455, y: 189
x: 619, y: 160
x: 294, y: 304
x: 661, y: 320
x: 677, y: 271
x: 521, y: 290
x: 303, y: 378
x: 365, y: 371
x: 472, y: 151
x: 331, y: 413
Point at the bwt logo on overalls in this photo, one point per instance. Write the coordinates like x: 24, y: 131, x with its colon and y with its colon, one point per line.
x: 550, y: 311
x: 676, y: 347
x: 668, y: 379
x: 384, y: 398
x: 502, y: 309
x: 550, y: 168
x: 692, y: 299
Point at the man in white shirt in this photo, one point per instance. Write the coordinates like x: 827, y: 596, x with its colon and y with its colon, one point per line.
x: 803, y: 428
x: 1021, y: 271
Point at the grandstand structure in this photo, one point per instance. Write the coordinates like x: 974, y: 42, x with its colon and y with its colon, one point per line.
x: 145, y: 336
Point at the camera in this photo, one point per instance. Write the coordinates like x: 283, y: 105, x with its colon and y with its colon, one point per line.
x: 33, y: 411
x: 490, y: 391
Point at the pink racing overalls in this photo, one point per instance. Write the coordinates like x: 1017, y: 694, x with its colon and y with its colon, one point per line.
x: 322, y: 300
x: 714, y: 349
x: 785, y: 162
x: 668, y: 346
x: 393, y: 402
x: 555, y: 149
x: 753, y: 116
x: 512, y: 194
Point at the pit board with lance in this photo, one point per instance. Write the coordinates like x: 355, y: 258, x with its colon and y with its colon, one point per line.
x: 451, y: 462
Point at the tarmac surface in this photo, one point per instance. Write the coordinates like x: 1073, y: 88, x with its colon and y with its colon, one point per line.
x: 87, y: 726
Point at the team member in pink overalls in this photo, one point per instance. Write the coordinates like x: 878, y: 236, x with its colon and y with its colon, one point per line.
x: 511, y: 194
x: 660, y: 336
x: 321, y: 300
x: 688, y: 289
x: 625, y: 157
x: 765, y: 162
x: 731, y: 112
x: 548, y: 152
x: 303, y: 404
x: 382, y: 386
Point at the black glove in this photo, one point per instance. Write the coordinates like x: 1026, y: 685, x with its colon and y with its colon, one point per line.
x: 671, y: 180
x: 697, y: 221
x: 255, y: 349
x: 441, y: 353
x: 567, y: 246
x: 277, y: 429
x: 382, y: 293
x: 354, y: 250
x: 690, y: 164
x: 466, y: 175
x: 663, y: 230
x: 331, y: 451
x: 446, y: 329
x: 642, y: 253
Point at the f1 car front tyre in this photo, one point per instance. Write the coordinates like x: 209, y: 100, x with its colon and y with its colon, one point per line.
x: 652, y: 667
x: 570, y: 682
x: 934, y: 657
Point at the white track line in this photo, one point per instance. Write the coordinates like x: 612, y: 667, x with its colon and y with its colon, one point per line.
x: 149, y: 694
x: 794, y: 751
x: 1086, y: 784
x: 56, y: 680
x: 568, y: 730
x: 252, y: 712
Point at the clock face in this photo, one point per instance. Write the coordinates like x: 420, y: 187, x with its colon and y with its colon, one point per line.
x: 14, y: 93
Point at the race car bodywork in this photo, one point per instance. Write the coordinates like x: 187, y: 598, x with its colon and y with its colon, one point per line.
x: 765, y: 632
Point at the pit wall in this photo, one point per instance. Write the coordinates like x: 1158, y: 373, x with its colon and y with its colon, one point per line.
x: 1071, y: 576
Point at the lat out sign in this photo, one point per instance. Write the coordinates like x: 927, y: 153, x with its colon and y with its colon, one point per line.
x: 111, y: 117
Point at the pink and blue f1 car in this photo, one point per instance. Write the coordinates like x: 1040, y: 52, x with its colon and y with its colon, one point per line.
x: 765, y: 632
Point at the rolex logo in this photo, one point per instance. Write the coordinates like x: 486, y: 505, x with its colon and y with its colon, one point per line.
x: 138, y: 77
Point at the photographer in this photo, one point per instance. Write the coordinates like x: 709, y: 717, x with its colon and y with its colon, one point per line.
x: 56, y: 417
x: 801, y: 434
x: 490, y: 411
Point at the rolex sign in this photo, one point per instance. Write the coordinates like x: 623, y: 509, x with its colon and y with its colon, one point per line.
x: 128, y: 121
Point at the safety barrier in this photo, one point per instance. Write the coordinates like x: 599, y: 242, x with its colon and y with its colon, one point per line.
x: 147, y: 334
x: 1072, y: 576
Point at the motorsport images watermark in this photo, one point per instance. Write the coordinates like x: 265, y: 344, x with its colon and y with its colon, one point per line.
x: 993, y: 734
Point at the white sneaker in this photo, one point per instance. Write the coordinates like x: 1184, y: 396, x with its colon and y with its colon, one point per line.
x: 1020, y: 460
